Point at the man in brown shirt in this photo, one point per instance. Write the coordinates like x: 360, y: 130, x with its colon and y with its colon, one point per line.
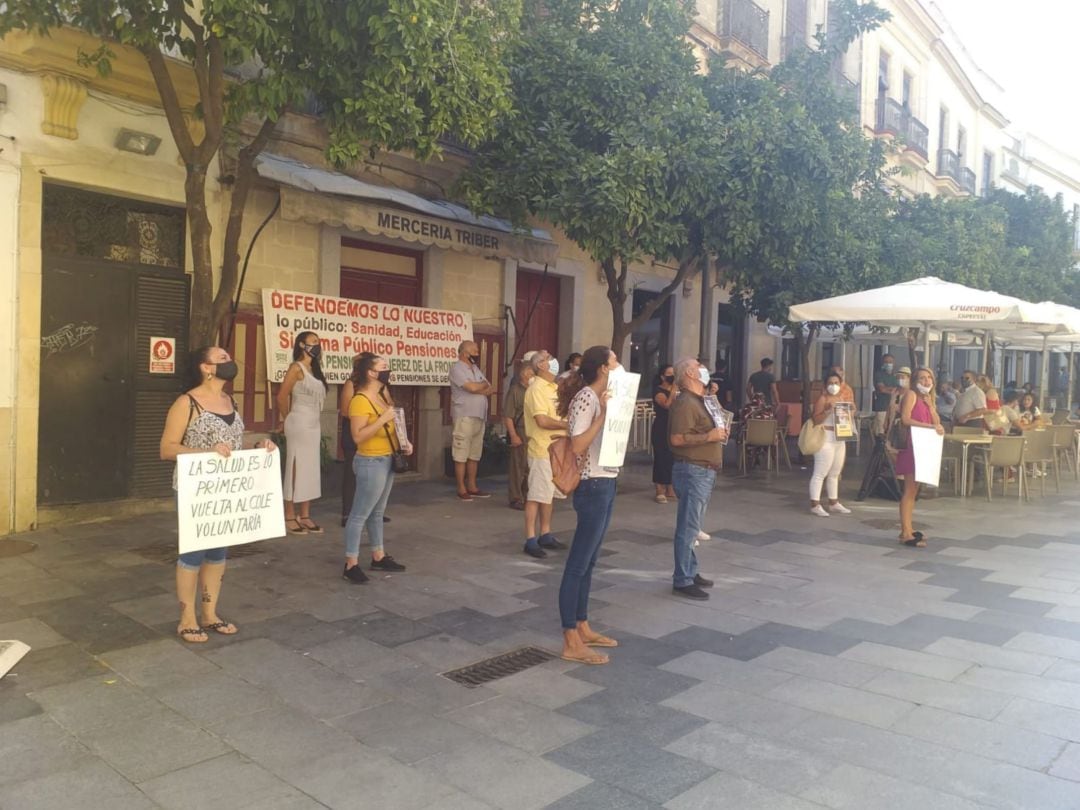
x: 696, y: 442
x: 514, y: 421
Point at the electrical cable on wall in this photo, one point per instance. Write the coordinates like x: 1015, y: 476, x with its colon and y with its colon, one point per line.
x: 243, y: 272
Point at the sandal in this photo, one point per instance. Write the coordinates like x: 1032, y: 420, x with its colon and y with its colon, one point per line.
x: 299, y: 527
x: 915, y: 541
x: 185, y: 632
x: 601, y: 641
x: 588, y: 658
x: 219, y: 627
x: 310, y: 525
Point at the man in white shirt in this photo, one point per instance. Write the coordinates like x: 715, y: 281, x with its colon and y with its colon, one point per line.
x: 970, y: 406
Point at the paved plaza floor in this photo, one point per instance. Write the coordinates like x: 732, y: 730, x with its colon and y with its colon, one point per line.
x: 831, y: 668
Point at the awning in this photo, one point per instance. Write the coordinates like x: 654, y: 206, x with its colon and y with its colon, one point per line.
x: 319, y: 196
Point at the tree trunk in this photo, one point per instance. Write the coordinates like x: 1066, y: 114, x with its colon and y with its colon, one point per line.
x: 617, y: 294
x: 803, y: 343
x: 201, y: 325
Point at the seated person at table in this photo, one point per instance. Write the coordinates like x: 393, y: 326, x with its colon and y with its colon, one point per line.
x: 1030, y: 415
x: 946, y: 401
x: 1010, y: 411
x: 970, y: 408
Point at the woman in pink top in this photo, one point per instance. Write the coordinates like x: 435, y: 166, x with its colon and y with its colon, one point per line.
x: 917, y: 409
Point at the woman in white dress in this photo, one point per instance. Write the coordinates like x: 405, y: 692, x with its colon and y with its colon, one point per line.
x: 300, y: 403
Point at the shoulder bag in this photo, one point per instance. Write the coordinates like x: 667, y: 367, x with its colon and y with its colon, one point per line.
x: 398, y: 461
x: 811, y: 437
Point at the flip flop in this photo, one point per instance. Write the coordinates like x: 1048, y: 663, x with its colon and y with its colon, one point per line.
x: 587, y: 658
x: 193, y: 631
x: 219, y: 627
x: 299, y: 527
x: 310, y: 525
x: 602, y: 641
x: 915, y: 541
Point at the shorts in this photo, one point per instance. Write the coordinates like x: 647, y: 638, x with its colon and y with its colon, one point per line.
x: 468, y: 443
x: 541, y: 485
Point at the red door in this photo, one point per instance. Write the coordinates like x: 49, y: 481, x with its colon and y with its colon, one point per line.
x: 539, y: 295
x: 390, y: 288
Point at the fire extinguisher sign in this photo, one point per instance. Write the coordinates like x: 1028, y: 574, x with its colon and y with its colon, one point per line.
x: 162, y: 355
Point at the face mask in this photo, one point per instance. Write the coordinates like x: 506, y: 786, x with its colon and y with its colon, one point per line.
x: 474, y: 359
x: 384, y: 376
x: 226, y: 371
x: 903, y: 382
x: 703, y: 376
x: 553, y: 366
x: 314, y: 352
x: 669, y: 378
x: 923, y: 389
x: 965, y: 384
x: 833, y: 389
x: 888, y: 367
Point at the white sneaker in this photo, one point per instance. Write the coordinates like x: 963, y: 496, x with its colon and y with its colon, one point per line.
x: 819, y: 510
x: 839, y: 508
x: 697, y: 543
x: 702, y: 536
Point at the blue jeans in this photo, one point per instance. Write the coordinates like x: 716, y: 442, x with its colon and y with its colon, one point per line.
x: 374, y: 480
x: 693, y: 485
x: 193, y: 560
x: 594, y: 500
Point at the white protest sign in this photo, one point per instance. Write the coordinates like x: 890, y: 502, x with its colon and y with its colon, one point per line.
x: 926, y: 445
x: 623, y: 386
x: 228, y: 501
x: 419, y: 343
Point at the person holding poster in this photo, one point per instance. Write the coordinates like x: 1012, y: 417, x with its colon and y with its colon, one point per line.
x: 698, y: 446
x: 300, y: 402
x: 917, y: 409
x: 371, y: 413
x: 583, y: 399
x: 204, y: 419
x: 829, y: 460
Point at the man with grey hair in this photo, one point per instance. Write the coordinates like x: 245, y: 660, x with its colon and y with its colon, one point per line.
x: 469, y: 392
x: 696, y: 442
x: 542, y: 424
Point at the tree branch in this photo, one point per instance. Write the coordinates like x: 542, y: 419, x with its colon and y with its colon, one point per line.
x: 170, y: 102
x: 686, y: 266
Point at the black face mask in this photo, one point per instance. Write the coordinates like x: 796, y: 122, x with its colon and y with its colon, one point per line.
x: 475, y: 358
x: 226, y: 371
x: 314, y: 352
x: 384, y: 377
x: 669, y: 378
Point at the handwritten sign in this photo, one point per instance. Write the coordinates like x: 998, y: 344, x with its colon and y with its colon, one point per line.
x: 721, y: 417
x: 623, y: 386
x: 420, y: 344
x: 228, y: 501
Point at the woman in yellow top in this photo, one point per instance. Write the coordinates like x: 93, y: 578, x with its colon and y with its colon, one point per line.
x: 371, y: 417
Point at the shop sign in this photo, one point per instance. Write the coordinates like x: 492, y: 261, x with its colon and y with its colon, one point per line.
x: 419, y: 343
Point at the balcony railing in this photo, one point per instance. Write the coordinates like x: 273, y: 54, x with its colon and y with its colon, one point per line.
x: 948, y: 164
x: 892, y: 118
x: 747, y: 23
x: 967, y: 180
x: 846, y: 89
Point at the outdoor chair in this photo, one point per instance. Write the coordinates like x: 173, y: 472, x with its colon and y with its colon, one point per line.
x: 1003, y: 452
x: 960, y: 430
x: 1060, y: 417
x: 951, y: 457
x: 1040, y: 451
x: 1065, y: 445
x: 760, y: 433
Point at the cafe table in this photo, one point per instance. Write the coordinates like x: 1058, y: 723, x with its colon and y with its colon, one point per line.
x: 966, y: 441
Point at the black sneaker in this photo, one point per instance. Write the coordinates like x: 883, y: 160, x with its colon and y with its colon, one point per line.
x: 355, y: 575
x: 550, y: 541
x: 387, y: 563
x: 701, y: 582
x: 535, y: 551
x: 690, y: 592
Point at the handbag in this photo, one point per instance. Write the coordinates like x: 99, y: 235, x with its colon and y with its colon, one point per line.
x: 398, y: 461
x: 565, y: 465
x: 899, y: 434
x: 811, y: 437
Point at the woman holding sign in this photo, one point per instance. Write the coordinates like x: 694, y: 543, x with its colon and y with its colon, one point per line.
x: 204, y: 419
x: 829, y: 460
x: 371, y: 423
x: 583, y: 399
x: 300, y: 402
x: 917, y: 409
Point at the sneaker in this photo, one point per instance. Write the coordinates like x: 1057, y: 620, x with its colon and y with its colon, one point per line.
x: 355, y: 575
x: 697, y: 543
x: 819, y: 510
x: 701, y: 582
x: 660, y: 498
x: 532, y: 548
x: 387, y: 563
x: 479, y: 493
x: 702, y: 536
x: 840, y: 509
x: 518, y: 505
x: 690, y: 592
x: 551, y: 541
x: 464, y: 496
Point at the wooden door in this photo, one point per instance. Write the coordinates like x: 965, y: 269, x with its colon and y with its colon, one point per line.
x: 536, y: 313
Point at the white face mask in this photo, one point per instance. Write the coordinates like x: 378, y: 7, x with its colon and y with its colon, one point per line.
x: 833, y: 389
x: 922, y: 389
x: 903, y: 382
x: 553, y: 366
x: 703, y: 375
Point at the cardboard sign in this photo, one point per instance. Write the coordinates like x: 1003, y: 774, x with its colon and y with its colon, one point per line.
x: 623, y: 386
x: 844, y: 420
x: 228, y: 501
x: 926, y: 445
x: 162, y: 355
x: 419, y: 343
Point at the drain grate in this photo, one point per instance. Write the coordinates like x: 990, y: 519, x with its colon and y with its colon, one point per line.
x: 500, y: 666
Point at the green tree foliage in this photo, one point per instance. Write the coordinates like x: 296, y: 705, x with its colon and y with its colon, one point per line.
x: 611, y: 140
x: 386, y: 73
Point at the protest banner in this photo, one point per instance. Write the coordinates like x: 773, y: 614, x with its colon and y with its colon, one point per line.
x: 228, y: 501
x: 623, y: 386
x: 926, y: 445
x: 419, y: 343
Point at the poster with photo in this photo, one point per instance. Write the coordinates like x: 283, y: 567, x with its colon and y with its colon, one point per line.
x: 721, y: 417
x: 844, y: 421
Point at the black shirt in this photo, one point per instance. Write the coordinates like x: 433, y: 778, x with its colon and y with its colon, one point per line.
x: 761, y: 382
